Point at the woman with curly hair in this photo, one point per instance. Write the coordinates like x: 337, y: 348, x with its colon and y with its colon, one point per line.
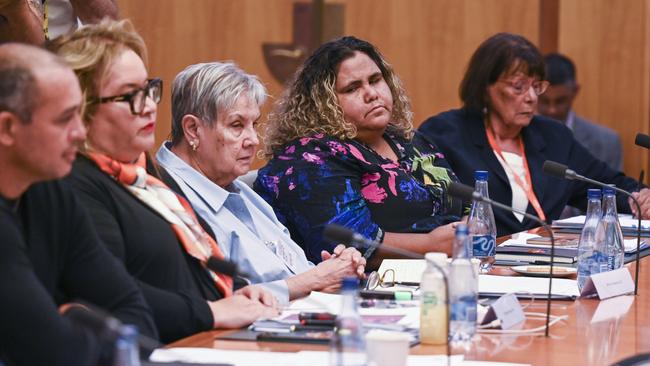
x: 341, y: 150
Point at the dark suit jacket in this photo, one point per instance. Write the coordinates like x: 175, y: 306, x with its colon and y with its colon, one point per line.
x: 175, y: 285
x: 602, y: 141
x: 460, y: 135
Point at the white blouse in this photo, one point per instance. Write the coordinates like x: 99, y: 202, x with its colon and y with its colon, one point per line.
x: 516, y: 163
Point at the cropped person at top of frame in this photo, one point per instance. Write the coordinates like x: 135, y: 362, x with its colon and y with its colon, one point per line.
x: 341, y: 151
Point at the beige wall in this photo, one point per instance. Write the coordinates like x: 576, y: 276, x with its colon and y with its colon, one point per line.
x: 427, y: 41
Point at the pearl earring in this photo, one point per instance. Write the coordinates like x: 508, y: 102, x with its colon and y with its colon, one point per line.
x: 195, y: 145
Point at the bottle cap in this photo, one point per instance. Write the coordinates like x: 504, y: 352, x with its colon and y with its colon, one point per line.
x: 481, y: 175
x: 350, y: 284
x: 609, y: 190
x: 593, y: 194
x: 128, y: 331
x: 462, y: 229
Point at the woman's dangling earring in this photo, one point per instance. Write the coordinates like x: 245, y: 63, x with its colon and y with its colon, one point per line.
x: 195, y: 145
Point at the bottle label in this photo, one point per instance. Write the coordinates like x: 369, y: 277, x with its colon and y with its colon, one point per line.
x: 429, y: 299
x: 484, y: 245
x: 464, y: 309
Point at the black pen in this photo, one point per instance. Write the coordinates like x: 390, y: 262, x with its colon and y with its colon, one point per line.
x: 641, y: 176
x: 300, y: 327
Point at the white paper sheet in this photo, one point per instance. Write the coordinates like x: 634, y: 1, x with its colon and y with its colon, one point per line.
x: 534, y: 285
x: 311, y: 358
x: 406, y: 270
x: 626, y: 221
x: 519, y: 239
x: 318, y: 301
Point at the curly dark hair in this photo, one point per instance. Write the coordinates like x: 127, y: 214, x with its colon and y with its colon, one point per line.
x: 310, y: 104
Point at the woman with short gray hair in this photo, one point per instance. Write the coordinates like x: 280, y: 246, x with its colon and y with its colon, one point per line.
x: 216, y: 109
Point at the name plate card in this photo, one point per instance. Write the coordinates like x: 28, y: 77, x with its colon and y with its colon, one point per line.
x: 508, y: 310
x: 609, y: 284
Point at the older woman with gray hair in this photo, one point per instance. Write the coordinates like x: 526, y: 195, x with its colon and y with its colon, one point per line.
x: 215, y: 112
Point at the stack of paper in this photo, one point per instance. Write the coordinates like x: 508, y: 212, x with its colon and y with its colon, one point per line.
x: 526, y: 286
x: 628, y: 225
x: 519, y: 250
x: 312, y: 358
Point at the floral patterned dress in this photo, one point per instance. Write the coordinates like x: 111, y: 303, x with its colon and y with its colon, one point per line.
x: 317, y: 180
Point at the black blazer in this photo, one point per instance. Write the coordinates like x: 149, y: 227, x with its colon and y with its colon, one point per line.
x: 175, y: 285
x: 460, y: 135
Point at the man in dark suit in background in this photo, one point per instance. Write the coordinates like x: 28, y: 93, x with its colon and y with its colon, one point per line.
x: 557, y: 103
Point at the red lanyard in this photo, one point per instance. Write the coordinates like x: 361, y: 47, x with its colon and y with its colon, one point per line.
x: 528, y: 188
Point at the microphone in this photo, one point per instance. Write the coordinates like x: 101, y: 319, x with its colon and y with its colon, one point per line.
x: 467, y: 193
x: 104, y: 325
x: 340, y: 234
x: 562, y: 171
x: 642, y: 140
x: 225, y: 267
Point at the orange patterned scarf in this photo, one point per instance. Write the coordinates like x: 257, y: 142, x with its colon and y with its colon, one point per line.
x: 174, y: 208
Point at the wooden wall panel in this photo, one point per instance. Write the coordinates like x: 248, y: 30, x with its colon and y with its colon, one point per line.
x: 179, y: 33
x: 609, y: 42
x: 427, y: 41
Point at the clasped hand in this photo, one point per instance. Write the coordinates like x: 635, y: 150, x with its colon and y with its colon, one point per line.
x: 342, y: 262
x: 643, y: 196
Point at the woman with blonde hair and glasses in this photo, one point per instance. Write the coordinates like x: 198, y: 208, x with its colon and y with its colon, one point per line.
x: 154, y: 232
x: 341, y: 151
x: 497, y: 130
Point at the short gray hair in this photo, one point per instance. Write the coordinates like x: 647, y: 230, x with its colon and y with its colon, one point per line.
x: 206, y: 88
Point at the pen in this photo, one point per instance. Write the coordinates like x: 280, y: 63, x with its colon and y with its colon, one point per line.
x: 316, y: 316
x: 641, y: 176
x: 300, y: 327
x: 386, y: 295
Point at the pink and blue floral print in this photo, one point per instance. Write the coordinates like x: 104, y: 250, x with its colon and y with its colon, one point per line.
x: 317, y: 180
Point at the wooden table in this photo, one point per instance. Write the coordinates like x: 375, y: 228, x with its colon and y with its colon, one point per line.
x: 574, y: 342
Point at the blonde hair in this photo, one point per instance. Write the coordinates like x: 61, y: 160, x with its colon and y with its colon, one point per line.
x: 310, y: 104
x: 91, y: 49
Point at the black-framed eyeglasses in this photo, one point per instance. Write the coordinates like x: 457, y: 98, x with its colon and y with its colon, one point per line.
x: 138, y: 98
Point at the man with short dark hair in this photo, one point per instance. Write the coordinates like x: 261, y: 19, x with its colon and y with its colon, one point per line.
x: 50, y: 255
x: 557, y: 102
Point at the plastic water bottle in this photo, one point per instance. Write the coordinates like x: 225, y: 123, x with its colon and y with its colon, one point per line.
x: 463, y: 289
x: 127, y: 352
x: 482, y: 227
x: 609, y: 230
x: 592, y: 257
x: 433, y: 301
x: 348, y: 345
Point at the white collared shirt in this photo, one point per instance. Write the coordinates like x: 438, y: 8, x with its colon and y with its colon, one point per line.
x: 245, y: 226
